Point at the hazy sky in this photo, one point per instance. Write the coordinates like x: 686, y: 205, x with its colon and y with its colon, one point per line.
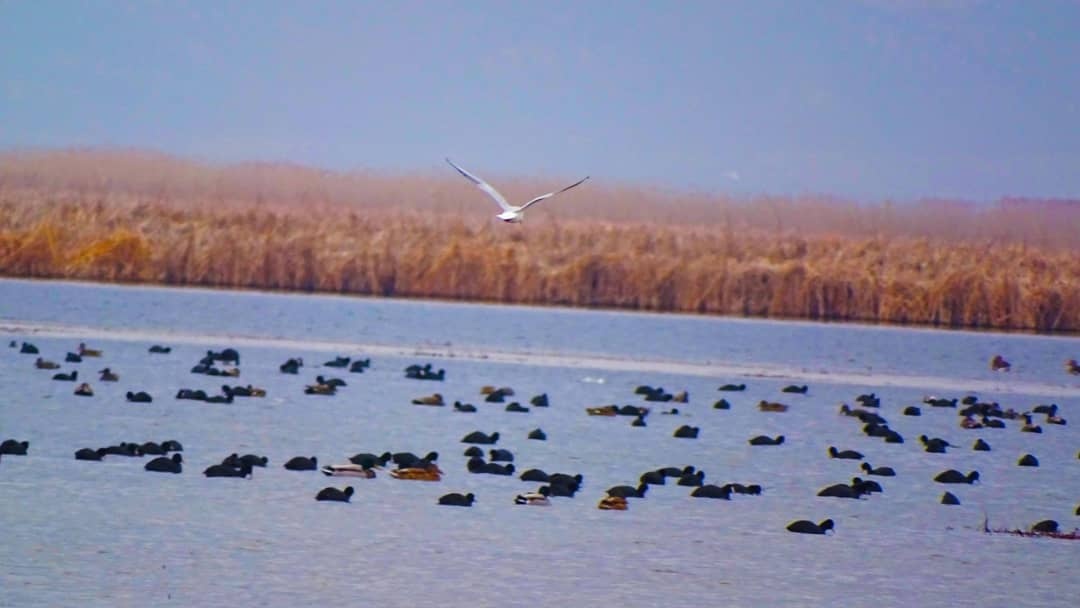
x: 868, y: 99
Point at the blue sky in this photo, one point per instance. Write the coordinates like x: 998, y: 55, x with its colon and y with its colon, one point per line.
x: 860, y: 99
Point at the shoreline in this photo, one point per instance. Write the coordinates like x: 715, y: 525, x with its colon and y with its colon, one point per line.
x: 1004, y: 332
x: 564, y: 359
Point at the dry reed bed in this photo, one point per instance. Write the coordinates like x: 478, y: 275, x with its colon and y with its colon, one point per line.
x: 704, y: 269
x: 138, y: 216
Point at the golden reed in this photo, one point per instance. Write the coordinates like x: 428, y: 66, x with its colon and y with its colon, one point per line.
x: 133, y: 216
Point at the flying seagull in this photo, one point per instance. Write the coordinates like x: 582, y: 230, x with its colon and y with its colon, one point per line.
x: 510, y: 213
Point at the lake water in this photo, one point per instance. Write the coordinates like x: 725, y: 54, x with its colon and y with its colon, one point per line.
x: 110, y: 533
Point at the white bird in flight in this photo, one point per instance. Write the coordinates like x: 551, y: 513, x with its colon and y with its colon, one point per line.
x: 510, y: 213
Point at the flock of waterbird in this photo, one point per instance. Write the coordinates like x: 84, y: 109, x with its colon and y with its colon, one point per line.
x: 973, y: 413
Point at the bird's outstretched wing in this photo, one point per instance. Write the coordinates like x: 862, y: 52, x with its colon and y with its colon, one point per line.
x: 486, y: 187
x: 551, y: 194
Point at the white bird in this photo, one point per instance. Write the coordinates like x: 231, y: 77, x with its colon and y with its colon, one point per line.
x: 510, y: 213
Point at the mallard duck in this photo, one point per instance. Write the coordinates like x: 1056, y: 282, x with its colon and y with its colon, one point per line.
x: 603, y: 410
x: 433, y: 399
x: 88, y: 352
x: 769, y: 406
x: 538, y: 498
x: 417, y: 474
x: 107, y: 375
x: 44, y: 364
x: 319, y: 389
x: 612, y: 503
x: 348, y: 470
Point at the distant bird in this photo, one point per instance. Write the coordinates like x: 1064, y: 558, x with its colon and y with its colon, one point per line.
x: 803, y: 526
x: 334, y: 494
x: 222, y: 470
x: 302, y: 463
x: 848, y: 454
x: 713, y: 491
x: 457, y: 500
x: 14, y: 447
x: 948, y: 498
x: 163, y: 464
x: 881, y: 471
x: 510, y: 213
x: 89, y: 454
x: 954, y: 476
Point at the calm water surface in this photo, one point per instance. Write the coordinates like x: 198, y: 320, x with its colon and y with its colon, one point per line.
x: 109, y: 533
